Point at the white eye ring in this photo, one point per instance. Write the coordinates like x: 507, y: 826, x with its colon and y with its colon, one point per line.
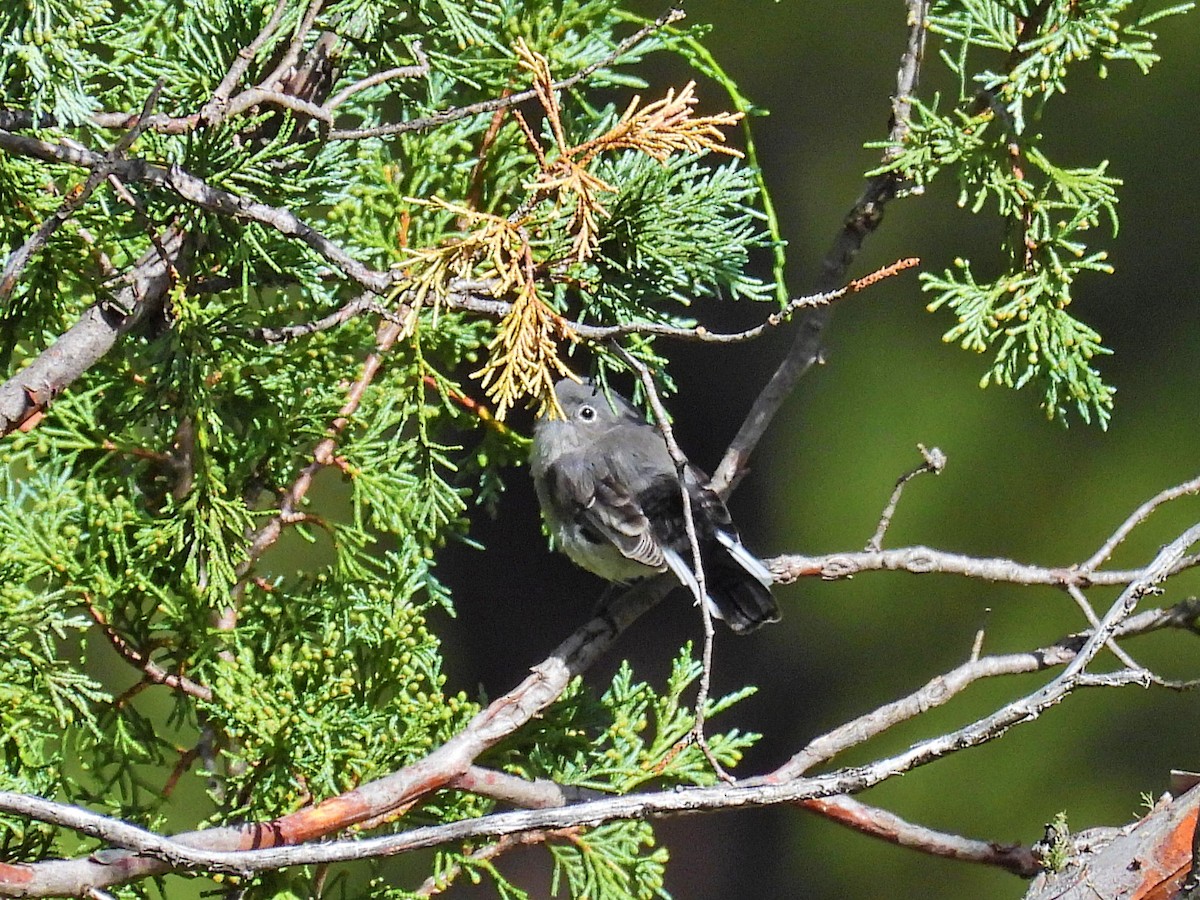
x: 587, y: 413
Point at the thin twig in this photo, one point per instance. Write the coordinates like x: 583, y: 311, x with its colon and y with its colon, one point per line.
x: 474, y: 197
x: 323, y: 454
x: 703, y: 689
x: 977, y: 643
x: 252, y: 97
x: 1075, y: 592
x: 364, y: 303
x: 436, y: 884
x: 701, y: 334
x: 14, y: 119
x: 1137, y: 517
x: 540, y: 793
x: 186, y: 758
x: 19, y: 258
x: 474, y: 296
x: 265, y: 536
x: 420, y: 70
x: 103, y: 262
x: 214, y: 110
x: 144, y: 664
x: 935, y: 462
x: 663, y: 421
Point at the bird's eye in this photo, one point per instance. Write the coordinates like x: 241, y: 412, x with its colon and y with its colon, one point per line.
x: 587, y: 413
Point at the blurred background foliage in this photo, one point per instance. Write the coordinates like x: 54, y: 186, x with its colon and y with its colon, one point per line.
x: 1016, y: 485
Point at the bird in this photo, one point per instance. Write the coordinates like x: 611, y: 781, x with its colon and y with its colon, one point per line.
x: 609, y: 491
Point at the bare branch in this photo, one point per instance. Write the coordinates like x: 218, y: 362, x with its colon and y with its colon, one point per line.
x: 879, y: 823
x: 112, y: 831
x: 364, y: 303
x: 258, y: 96
x: 941, y: 689
x: 13, y: 119
x: 926, y: 560
x: 1076, y: 593
x: 288, y: 62
x: 29, y: 391
x: 537, y: 794
x: 863, y: 218
x: 1020, y: 710
x: 473, y: 296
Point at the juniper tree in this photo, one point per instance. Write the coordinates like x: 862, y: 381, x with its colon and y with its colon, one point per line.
x: 252, y: 245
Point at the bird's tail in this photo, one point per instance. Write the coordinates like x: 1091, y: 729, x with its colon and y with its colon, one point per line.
x: 737, y: 584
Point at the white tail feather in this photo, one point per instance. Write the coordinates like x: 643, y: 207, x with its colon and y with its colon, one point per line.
x: 746, y: 559
x: 687, y: 577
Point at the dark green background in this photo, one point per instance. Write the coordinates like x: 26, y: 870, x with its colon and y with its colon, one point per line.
x: 1016, y: 486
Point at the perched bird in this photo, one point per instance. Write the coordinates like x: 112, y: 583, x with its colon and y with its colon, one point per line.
x: 610, y: 494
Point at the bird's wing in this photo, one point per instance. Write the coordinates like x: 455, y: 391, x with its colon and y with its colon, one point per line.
x: 604, y: 509
x: 619, y: 517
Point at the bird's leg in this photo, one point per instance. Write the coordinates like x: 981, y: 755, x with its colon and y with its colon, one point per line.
x: 601, y: 610
x: 606, y: 597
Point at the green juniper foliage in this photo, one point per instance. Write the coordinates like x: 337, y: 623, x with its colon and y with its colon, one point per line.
x: 136, y: 516
x: 1010, y: 60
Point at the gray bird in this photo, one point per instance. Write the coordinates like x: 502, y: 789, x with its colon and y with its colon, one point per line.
x: 609, y: 491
